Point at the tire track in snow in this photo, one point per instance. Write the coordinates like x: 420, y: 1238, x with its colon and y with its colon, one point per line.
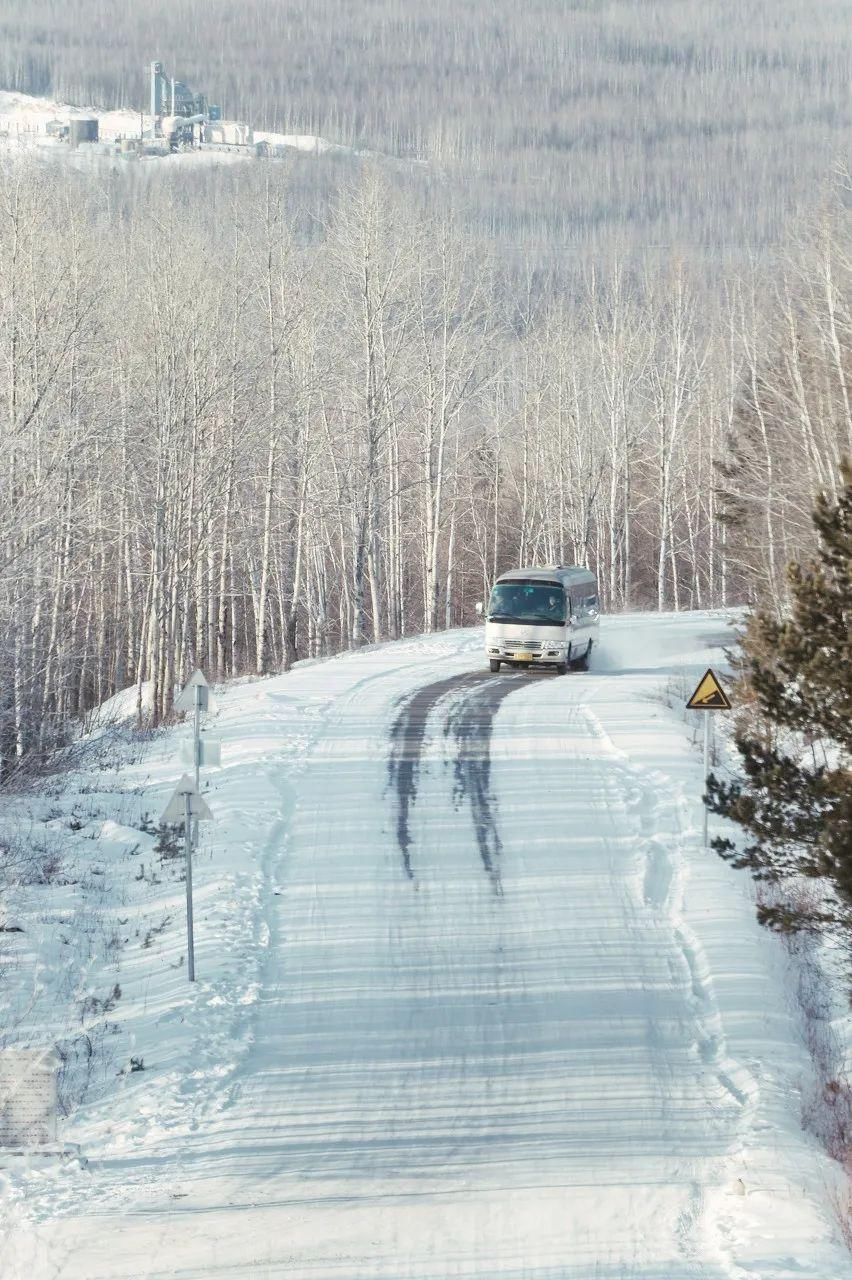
x: 408, y: 737
x: 470, y: 721
x: 665, y: 872
x: 663, y: 882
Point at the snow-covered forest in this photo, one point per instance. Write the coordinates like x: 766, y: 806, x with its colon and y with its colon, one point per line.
x: 596, y: 309
x: 235, y: 435
x: 554, y: 124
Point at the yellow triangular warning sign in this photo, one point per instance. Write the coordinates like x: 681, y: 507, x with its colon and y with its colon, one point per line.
x: 709, y: 696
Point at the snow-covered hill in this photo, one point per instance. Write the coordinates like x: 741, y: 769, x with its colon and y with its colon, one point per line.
x: 472, y: 999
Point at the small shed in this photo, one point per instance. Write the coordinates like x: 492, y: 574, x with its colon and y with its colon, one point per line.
x: 83, y: 129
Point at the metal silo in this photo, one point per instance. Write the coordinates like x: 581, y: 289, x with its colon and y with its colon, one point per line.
x: 159, y: 86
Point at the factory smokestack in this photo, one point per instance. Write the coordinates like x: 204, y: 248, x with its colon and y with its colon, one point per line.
x: 159, y: 86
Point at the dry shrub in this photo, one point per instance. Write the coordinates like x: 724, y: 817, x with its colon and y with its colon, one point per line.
x: 840, y: 1199
x: 827, y: 1104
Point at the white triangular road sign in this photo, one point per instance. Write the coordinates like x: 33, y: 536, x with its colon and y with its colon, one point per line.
x: 175, y: 810
x: 185, y: 701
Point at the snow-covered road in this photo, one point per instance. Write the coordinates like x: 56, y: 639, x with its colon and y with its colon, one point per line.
x: 499, y: 1016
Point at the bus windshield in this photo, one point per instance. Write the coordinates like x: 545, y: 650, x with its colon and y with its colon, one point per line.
x: 539, y: 602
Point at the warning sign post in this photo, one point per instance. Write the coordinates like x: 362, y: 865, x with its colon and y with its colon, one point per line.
x: 187, y: 804
x: 708, y: 696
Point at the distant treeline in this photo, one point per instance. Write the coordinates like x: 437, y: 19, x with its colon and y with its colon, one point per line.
x: 554, y: 124
x: 229, y: 444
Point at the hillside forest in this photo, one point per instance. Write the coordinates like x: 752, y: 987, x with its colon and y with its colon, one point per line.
x: 585, y: 297
x: 230, y: 443
x: 551, y: 126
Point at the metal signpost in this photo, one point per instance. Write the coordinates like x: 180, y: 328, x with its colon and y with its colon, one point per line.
x: 197, y: 698
x: 708, y: 696
x: 187, y: 804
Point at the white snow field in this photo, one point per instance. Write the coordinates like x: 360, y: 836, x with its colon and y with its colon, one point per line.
x: 473, y: 1001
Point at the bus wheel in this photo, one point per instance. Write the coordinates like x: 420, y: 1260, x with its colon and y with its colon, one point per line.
x: 495, y: 664
x: 582, y: 664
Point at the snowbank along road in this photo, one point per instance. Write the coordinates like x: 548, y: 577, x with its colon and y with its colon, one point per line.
x: 473, y: 1001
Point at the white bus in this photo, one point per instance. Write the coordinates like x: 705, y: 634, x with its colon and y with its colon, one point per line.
x: 547, y: 616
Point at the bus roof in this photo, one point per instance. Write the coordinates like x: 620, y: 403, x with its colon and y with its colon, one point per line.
x: 562, y: 573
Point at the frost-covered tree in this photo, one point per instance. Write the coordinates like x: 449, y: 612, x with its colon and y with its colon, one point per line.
x: 794, y: 800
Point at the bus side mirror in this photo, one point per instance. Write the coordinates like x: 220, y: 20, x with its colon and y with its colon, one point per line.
x: 478, y: 608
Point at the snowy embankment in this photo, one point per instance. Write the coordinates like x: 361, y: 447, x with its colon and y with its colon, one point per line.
x: 472, y: 999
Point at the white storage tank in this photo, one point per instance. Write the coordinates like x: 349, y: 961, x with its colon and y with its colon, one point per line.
x: 229, y: 133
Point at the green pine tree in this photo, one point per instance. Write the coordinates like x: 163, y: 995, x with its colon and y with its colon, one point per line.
x: 795, y: 797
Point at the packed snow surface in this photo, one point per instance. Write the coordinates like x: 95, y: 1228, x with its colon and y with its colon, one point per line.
x: 473, y: 1001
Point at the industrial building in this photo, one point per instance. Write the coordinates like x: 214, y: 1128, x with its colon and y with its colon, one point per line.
x: 184, y: 119
x: 174, y: 118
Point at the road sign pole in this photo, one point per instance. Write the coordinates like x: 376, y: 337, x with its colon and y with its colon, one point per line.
x: 187, y: 804
x: 707, y: 720
x: 709, y: 696
x: 196, y: 731
x: 190, y: 938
